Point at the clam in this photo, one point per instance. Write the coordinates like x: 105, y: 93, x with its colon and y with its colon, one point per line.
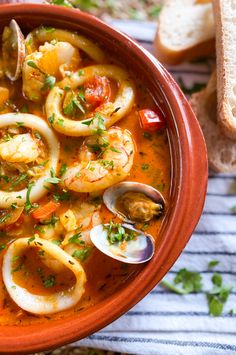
x: 134, y: 202
x: 13, y: 50
x: 123, y: 242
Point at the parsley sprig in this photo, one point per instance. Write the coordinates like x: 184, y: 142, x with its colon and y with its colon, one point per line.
x: 188, y: 280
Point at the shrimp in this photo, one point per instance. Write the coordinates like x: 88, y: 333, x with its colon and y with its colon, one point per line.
x: 56, y: 60
x: 112, y: 157
x: 21, y: 148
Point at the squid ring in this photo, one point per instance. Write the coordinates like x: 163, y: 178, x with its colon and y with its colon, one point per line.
x: 39, y: 304
x: 111, y: 111
x: 40, y: 187
x: 42, y: 34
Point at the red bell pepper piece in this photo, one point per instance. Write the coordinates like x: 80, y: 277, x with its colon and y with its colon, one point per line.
x: 151, y: 120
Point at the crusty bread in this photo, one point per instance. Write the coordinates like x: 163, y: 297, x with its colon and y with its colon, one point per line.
x: 185, y: 31
x: 221, y: 150
x: 225, y: 18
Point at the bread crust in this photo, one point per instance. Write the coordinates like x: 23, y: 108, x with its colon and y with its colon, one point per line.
x: 221, y: 149
x: 167, y: 56
x: 226, y: 66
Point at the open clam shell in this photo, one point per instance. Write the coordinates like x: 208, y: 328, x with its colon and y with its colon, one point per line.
x: 13, y: 50
x: 136, y: 251
x: 112, y: 195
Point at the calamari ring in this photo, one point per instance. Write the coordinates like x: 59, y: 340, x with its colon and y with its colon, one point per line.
x: 39, y: 304
x: 111, y: 111
x: 38, y: 190
x: 42, y: 35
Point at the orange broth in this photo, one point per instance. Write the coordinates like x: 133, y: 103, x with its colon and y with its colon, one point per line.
x: 104, y: 275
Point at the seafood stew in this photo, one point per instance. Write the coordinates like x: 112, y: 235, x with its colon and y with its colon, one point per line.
x: 76, y: 125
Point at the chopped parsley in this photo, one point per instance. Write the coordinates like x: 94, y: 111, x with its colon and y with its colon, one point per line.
x: 3, y: 246
x: 37, y: 135
x: 82, y: 254
x: 30, y: 240
x: 73, y: 104
x: 64, y: 196
x: 145, y: 166
x: 108, y: 164
x: 60, y: 121
x: 56, y: 241
x: 20, y: 179
x: 114, y: 150
x: 51, y: 119
x: 20, y: 124
x: 52, y: 221
x: 28, y: 204
x: 50, y: 281
x: 32, y: 64
x: 49, y: 83
x: 63, y: 169
x: 116, y: 233
x: 4, y: 218
x: 48, y: 29
x: 14, y: 206
x: 76, y: 239
x: 81, y: 72
x: 24, y: 109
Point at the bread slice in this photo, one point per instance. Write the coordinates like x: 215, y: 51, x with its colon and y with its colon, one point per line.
x: 185, y: 31
x: 221, y: 150
x: 225, y: 18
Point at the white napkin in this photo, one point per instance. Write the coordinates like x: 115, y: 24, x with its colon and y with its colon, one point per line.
x: 165, y: 323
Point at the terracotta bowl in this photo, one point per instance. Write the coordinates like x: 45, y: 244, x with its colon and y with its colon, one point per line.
x: 189, y: 179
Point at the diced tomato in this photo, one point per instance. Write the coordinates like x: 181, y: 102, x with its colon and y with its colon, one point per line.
x: 45, y: 210
x: 97, y: 90
x: 151, y: 120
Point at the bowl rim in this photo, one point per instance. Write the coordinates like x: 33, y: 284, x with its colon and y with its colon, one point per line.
x: 191, y: 187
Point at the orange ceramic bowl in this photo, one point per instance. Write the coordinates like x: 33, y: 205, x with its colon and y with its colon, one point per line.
x: 189, y: 179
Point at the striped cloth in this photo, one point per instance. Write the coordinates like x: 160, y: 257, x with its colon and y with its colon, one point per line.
x: 165, y: 323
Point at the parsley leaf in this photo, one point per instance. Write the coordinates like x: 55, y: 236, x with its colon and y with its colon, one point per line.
x: 63, y: 169
x: 49, y: 82
x: 212, y: 263
x: 218, y: 295
x: 51, y: 119
x: 191, y: 282
x: 82, y: 254
x: 64, y: 196
x: 53, y: 179
x: 76, y: 239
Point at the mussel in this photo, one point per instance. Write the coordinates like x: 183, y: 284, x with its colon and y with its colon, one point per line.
x: 13, y: 50
x: 123, y: 242
x: 134, y: 202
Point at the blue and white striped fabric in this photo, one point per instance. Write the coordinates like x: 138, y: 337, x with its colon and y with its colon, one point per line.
x: 165, y: 323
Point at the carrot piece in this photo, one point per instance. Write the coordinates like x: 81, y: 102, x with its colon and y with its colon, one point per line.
x: 45, y: 210
x: 151, y: 120
x: 97, y: 90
